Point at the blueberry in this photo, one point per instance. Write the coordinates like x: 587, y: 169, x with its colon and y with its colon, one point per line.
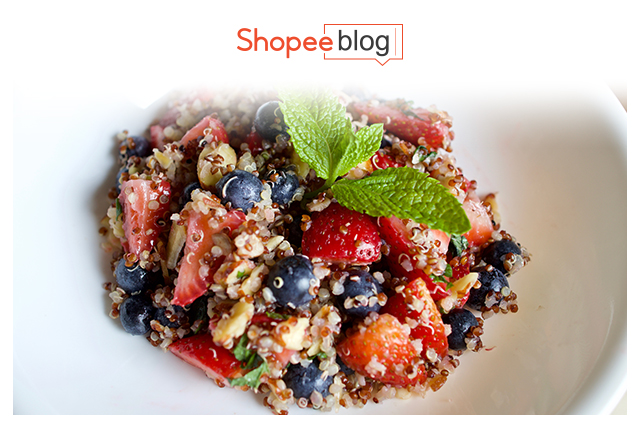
x: 171, y: 317
x: 269, y: 122
x: 344, y: 368
x: 359, y: 283
x: 386, y: 141
x: 303, y: 381
x: 283, y: 186
x: 496, y: 252
x: 241, y: 188
x: 136, y: 279
x: 185, y: 197
x: 461, y: 322
x: 136, y: 146
x: 294, y: 236
x: 290, y: 280
x: 491, y: 282
x: 136, y: 313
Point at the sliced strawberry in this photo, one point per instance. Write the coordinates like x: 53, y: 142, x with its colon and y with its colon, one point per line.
x: 408, y: 124
x: 381, y: 160
x: 402, y: 250
x: 196, y: 268
x: 144, y: 203
x: 269, y: 322
x: 438, y: 290
x: 254, y: 143
x: 211, y: 122
x: 338, y: 234
x: 414, y: 306
x: 481, y: 225
x: 383, y: 351
x: 157, y: 137
x: 216, y: 361
x: 397, y: 236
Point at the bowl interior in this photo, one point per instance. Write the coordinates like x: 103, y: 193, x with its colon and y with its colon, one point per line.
x: 556, y: 157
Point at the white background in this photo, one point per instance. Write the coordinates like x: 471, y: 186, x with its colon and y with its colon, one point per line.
x: 64, y: 50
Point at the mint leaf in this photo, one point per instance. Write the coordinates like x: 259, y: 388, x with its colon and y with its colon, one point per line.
x: 367, y: 142
x: 276, y: 316
x: 118, y: 208
x: 448, y: 271
x: 438, y: 279
x: 460, y: 243
x: 241, y: 352
x: 404, y: 193
x: 322, y: 134
x: 252, y: 378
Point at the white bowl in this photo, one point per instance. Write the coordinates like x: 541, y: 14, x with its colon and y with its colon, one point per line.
x: 556, y: 156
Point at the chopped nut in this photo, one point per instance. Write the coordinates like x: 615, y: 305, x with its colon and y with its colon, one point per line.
x: 233, y: 326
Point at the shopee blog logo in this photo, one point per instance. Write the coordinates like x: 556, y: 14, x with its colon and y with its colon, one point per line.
x: 378, y: 42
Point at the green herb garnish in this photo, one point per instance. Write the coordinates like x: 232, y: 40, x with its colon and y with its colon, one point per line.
x: 460, y: 243
x: 250, y: 360
x: 424, y: 153
x: 323, y: 137
x: 438, y: 279
x: 118, y: 208
x: 448, y: 271
x: 322, y: 134
x: 276, y: 316
x: 252, y: 378
x: 241, y: 352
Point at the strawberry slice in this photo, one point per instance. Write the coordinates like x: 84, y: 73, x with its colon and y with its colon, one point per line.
x: 254, y: 143
x: 338, y: 234
x: 381, y: 160
x: 216, y: 361
x: 402, y: 263
x: 481, y: 225
x: 408, y: 124
x: 268, y: 323
x: 211, y: 122
x: 414, y: 306
x: 382, y: 350
x: 144, y: 203
x: 196, y: 268
x: 157, y: 137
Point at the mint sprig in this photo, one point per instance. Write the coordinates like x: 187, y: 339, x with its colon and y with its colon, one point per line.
x: 323, y: 137
x: 407, y: 194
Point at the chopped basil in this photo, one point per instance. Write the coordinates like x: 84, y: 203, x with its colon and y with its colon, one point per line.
x: 252, y: 378
x: 458, y: 243
x: 118, y: 208
x: 277, y: 316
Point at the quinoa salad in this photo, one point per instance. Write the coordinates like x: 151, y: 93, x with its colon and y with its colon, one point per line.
x: 321, y: 248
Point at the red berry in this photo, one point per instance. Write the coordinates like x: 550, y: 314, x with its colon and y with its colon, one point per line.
x: 144, y: 204
x: 408, y: 124
x: 215, y: 126
x: 196, y: 269
x: 338, y: 234
x: 383, y: 351
x: 414, y: 306
x: 402, y: 250
x: 481, y: 225
x: 216, y: 361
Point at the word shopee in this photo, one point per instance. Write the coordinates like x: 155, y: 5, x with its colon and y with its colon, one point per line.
x: 292, y: 44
